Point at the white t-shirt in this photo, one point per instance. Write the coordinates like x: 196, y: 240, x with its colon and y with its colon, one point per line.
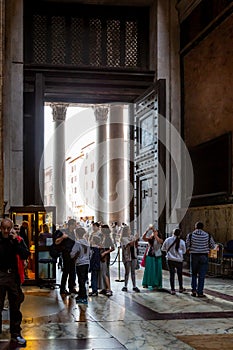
x: 173, y: 254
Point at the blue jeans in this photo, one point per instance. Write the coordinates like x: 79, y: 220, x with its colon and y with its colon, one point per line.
x: 198, y: 267
x: 94, y: 280
x: 82, y: 273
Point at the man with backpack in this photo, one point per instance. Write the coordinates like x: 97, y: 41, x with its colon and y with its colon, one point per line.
x: 199, y: 244
x: 64, y: 241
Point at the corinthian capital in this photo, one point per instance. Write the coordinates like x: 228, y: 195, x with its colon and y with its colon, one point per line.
x: 59, y: 111
x: 101, y: 113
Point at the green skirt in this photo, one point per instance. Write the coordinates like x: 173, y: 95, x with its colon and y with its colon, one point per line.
x: 152, y: 276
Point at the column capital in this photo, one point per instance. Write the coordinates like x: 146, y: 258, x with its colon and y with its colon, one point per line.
x: 101, y: 113
x: 59, y: 111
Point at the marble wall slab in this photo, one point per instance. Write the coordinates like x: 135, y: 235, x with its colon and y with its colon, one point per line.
x: 217, y: 219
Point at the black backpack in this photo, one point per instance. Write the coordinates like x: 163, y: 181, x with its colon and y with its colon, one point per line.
x: 54, y: 251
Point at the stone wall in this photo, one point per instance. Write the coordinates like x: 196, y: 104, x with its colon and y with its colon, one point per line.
x: 218, y: 220
x: 208, y: 113
x: 208, y: 76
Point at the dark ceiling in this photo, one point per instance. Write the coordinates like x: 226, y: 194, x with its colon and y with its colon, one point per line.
x: 108, y: 2
x: 89, y: 85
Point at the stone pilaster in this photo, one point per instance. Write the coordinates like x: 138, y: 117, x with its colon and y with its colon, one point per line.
x: 59, y: 165
x: 2, y: 30
x: 169, y: 69
x: 13, y: 102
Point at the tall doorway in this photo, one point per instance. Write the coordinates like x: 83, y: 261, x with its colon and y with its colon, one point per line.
x: 96, y: 156
x: 84, y: 55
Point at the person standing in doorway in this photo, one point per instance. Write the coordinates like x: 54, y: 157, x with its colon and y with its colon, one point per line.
x: 129, y: 256
x: 68, y: 262
x: 81, y: 254
x: 17, y: 228
x: 199, y: 244
x: 95, y: 265
x: 43, y: 235
x: 152, y: 276
x: 24, y: 232
x: 95, y: 232
x: 175, y: 249
x: 107, y: 247
x: 12, y: 248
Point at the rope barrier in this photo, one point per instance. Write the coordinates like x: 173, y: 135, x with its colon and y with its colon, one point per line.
x: 118, y: 253
x: 119, y: 267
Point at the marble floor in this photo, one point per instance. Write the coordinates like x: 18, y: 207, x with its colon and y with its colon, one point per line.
x: 128, y: 320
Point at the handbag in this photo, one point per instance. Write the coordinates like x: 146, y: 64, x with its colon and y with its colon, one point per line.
x: 171, y: 246
x: 143, y: 262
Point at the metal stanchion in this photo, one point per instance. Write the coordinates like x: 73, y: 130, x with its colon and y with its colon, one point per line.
x: 119, y: 267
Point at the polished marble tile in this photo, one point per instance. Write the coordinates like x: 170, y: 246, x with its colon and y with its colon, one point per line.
x: 144, y: 335
x: 77, y: 330
x: 147, y: 320
x: 70, y: 344
x: 197, y: 326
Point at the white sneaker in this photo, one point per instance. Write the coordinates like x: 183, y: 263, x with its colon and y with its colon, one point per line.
x: 19, y: 340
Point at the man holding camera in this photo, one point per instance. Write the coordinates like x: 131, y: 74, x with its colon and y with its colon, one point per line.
x: 12, y: 248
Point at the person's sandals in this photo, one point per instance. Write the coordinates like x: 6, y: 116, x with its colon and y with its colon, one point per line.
x: 124, y: 289
x: 64, y: 292
x: 103, y: 291
x: 108, y: 293
x: 136, y: 289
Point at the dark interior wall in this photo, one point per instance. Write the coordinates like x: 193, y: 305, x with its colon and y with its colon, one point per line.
x: 212, y: 167
x: 208, y: 114
x: 208, y: 76
x: 207, y: 90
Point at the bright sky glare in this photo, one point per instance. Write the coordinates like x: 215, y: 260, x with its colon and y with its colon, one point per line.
x: 74, y: 114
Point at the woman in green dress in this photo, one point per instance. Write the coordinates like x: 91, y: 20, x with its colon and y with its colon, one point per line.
x: 152, y: 276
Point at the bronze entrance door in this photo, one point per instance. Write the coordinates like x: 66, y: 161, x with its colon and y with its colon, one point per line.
x: 149, y: 169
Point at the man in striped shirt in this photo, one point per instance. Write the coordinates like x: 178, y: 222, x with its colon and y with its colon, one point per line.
x: 199, y: 244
